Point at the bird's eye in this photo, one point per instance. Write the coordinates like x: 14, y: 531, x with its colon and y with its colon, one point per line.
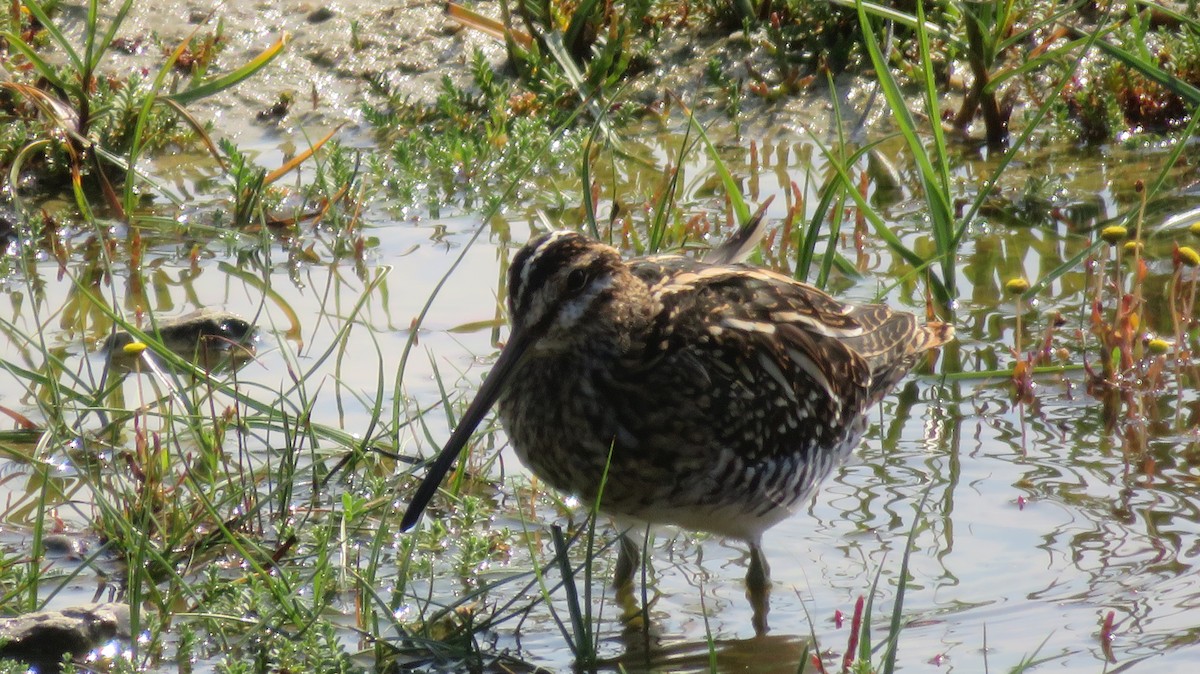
x: 576, y: 281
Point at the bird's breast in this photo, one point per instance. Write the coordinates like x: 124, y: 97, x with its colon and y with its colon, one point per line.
x: 557, y: 414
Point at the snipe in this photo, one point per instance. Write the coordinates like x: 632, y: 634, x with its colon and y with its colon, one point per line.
x: 716, y: 395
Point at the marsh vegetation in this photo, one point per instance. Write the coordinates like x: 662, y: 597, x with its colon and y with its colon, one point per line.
x: 1024, y: 169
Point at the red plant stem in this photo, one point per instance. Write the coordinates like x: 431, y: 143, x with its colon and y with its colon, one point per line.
x: 1106, y: 637
x: 855, y: 626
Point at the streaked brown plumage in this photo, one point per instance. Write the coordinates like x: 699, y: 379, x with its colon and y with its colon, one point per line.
x: 717, y: 395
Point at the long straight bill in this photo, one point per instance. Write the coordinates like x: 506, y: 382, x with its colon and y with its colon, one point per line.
x: 489, y: 391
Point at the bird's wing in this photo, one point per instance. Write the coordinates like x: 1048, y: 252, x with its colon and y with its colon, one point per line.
x: 761, y: 361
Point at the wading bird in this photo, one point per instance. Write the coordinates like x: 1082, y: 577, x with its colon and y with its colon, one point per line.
x: 710, y: 395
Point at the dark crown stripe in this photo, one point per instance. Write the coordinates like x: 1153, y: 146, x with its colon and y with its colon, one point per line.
x: 515, y: 272
x: 519, y: 271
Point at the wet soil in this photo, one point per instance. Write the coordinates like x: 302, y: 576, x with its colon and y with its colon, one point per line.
x: 334, y: 52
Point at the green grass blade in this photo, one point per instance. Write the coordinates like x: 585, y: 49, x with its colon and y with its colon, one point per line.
x: 732, y: 189
x: 1035, y: 65
x: 39, y: 64
x: 101, y: 47
x: 663, y: 210
x: 90, y: 34
x: 904, y: 19
x: 220, y: 83
x: 933, y: 111
x: 585, y: 181
x: 1151, y: 71
x: 35, y: 8
x: 937, y: 185
x: 934, y: 181
x: 584, y: 14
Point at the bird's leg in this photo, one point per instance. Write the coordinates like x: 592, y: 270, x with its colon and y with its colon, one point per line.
x: 758, y: 578
x: 627, y: 563
x: 758, y: 587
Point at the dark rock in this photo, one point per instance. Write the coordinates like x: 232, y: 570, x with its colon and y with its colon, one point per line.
x: 65, y: 545
x: 205, y: 337
x: 320, y: 15
x: 41, y: 639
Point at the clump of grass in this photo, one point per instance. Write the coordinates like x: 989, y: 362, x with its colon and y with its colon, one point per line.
x: 256, y: 200
x: 76, y: 127
x: 216, y: 526
x: 1150, y: 83
x: 463, y: 148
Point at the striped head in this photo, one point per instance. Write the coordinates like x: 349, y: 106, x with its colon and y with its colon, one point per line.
x: 564, y: 288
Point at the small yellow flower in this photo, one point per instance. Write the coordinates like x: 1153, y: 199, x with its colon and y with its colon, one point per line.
x: 1016, y: 286
x: 1189, y: 256
x: 1132, y: 247
x: 134, y: 348
x: 1114, y: 234
x: 1194, y: 228
x: 1158, y: 345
